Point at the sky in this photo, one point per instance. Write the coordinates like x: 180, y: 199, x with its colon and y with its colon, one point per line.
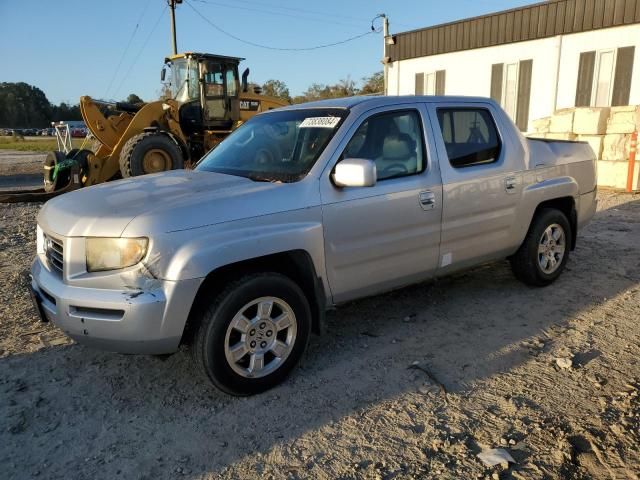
x: 110, y: 48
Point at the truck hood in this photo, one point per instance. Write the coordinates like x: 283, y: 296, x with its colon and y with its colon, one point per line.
x: 161, y: 203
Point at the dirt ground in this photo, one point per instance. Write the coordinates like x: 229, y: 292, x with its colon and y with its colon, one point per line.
x: 15, y: 162
x: 411, y: 384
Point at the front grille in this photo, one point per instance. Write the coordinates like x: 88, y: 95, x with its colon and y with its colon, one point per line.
x: 54, y: 252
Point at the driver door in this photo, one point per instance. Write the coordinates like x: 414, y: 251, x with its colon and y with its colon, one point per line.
x: 219, y: 90
x: 382, y: 237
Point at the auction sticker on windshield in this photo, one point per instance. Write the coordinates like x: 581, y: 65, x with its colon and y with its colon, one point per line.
x: 321, y: 122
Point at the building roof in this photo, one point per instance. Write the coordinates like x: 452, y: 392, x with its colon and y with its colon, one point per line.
x: 531, y: 22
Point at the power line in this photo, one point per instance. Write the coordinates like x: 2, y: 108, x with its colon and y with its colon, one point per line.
x: 332, y: 15
x: 271, y: 12
x: 302, y: 10
x: 267, y: 47
x: 141, y: 50
x: 126, y: 49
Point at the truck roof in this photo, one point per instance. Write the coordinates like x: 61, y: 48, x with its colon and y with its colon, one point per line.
x: 373, y: 101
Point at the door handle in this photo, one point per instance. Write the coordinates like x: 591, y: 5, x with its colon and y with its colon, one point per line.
x: 510, y: 184
x: 427, y: 200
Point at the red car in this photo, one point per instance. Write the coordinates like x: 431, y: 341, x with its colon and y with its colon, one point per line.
x: 79, y: 132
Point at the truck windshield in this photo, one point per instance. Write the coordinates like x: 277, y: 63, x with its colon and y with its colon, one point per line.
x: 184, y: 80
x: 276, y: 146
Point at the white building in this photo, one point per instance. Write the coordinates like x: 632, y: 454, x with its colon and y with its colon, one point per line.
x: 533, y: 60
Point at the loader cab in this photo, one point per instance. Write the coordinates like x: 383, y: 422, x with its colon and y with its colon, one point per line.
x: 207, y: 88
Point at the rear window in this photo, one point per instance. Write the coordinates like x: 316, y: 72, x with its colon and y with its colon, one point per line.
x: 470, y: 136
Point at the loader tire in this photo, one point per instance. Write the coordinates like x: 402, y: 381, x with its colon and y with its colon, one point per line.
x: 149, y: 152
x: 81, y: 157
x: 52, y: 184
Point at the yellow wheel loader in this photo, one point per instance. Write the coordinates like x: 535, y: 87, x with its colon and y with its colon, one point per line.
x: 208, y: 101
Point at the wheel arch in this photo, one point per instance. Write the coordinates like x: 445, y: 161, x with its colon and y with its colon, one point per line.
x: 561, y: 193
x: 566, y: 205
x: 294, y: 264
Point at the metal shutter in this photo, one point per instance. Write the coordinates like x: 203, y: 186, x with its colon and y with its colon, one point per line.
x: 419, y: 84
x: 585, y: 79
x: 524, y: 94
x: 496, y: 81
x: 441, y: 75
x: 622, y: 82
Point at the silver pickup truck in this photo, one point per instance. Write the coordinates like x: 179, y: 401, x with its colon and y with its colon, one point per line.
x: 301, y: 209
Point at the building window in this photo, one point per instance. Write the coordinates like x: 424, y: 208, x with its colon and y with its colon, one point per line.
x: 509, y: 98
x: 604, y: 77
x: 603, y: 83
x: 511, y: 88
x: 432, y: 83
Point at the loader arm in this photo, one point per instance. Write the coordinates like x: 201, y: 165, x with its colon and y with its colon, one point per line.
x: 114, y: 131
x: 108, y: 130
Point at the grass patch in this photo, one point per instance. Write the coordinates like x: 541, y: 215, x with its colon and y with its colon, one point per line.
x: 44, y: 145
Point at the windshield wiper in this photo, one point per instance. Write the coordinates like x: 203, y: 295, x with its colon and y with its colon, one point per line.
x: 262, y: 178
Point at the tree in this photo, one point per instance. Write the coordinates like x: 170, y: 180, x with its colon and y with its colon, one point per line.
x: 276, y: 88
x: 133, y: 98
x: 373, y: 84
x: 23, y: 105
x: 65, y: 112
x: 318, y: 91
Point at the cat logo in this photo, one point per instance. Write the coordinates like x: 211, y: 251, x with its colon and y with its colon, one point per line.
x: 250, y: 105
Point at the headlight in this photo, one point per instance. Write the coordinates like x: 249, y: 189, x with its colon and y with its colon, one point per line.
x: 39, y: 240
x: 114, y: 253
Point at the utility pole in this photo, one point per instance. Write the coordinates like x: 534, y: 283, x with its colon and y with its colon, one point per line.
x: 385, y: 60
x: 172, y: 6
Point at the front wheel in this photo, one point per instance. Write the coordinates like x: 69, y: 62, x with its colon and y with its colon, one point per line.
x: 149, y: 152
x: 253, y: 334
x: 544, y: 253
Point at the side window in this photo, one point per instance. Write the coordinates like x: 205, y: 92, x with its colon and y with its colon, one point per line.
x: 213, y: 80
x: 231, y: 83
x: 470, y: 136
x: 393, y: 140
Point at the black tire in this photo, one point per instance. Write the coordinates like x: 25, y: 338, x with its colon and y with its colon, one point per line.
x: 133, y: 154
x: 525, y: 263
x: 81, y: 157
x: 61, y: 181
x: 208, y: 347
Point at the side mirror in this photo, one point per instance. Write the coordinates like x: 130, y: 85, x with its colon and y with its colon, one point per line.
x: 163, y: 74
x: 355, y: 172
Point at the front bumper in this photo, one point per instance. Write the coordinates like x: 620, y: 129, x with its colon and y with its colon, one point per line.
x: 149, y: 321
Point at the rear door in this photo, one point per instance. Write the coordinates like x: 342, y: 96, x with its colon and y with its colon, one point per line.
x: 481, y: 164
x: 388, y: 235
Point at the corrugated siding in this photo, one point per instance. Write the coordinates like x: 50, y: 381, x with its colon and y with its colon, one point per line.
x: 536, y: 21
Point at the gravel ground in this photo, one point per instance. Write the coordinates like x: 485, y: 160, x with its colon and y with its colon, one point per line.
x: 411, y: 384
x: 14, y: 162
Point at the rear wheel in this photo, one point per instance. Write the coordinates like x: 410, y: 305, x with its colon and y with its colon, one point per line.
x: 149, y: 152
x: 253, y: 334
x: 544, y: 253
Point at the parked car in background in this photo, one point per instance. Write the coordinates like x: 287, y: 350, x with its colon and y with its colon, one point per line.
x: 79, y: 132
x: 300, y: 209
